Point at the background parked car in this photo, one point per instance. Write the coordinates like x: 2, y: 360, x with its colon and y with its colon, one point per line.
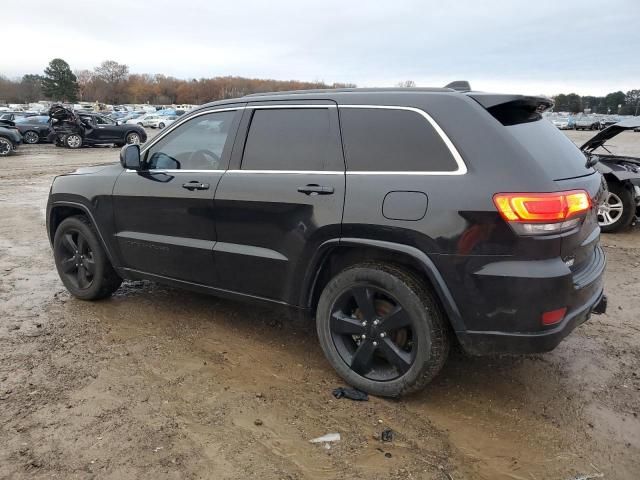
x: 587, y: 123
x: 34, y: 129
x: 75, y: 129
x: 622, y: 174
x: 10, y: 138
x: 143, y: 120
x: 561, y: 122
x: 162, y: 121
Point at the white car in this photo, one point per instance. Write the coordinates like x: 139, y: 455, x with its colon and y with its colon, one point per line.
x: 144, y: 120
x: 162, y: 121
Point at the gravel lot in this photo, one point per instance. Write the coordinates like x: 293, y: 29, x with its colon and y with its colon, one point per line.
x: 161, y: 383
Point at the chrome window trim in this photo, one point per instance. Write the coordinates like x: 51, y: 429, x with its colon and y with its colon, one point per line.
x: 294, y: 172
x: 273, y: 107
x: 462, y: 167
x: 461, y: 170
x: 175, y: 170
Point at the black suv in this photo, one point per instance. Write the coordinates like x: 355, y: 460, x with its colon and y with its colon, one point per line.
x: 403, y: 220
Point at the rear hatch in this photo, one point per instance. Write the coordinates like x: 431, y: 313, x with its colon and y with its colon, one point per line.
x: 562, y: 161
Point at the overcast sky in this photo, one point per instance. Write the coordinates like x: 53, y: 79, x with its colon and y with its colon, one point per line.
x: 520, y: 46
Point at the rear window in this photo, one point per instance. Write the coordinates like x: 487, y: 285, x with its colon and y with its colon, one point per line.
x: 392, y: 140
x: 556, y: 154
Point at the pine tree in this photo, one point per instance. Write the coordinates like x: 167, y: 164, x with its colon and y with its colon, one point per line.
x: 59, y: 82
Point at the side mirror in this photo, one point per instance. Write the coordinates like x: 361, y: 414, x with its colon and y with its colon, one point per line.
x: 130, y: 157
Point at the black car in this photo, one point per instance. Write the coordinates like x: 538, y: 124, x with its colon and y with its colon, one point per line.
x: 10, y: 139
x: 75, y: 129
x: 622, y: 173
x: 401, y: 220
x: 34, y: 129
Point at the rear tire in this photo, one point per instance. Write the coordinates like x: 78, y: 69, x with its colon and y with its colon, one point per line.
x: 619, y: 209
x: 82, y: 263
x: 382, y: 329
x: 31, y: 137
x: 132, y: 138
x: 73, y: 140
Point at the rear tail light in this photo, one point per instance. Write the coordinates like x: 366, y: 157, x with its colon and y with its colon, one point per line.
x: 543, y: 213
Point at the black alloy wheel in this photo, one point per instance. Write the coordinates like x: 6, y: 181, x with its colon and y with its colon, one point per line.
x: 373, y: 333
x: 77, y: 264
x: 382, y: 329
x: 82, y: 262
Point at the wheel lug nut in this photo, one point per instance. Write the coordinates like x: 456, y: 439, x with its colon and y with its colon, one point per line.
x: 364, y: 324
x: 363, y: 336
x: 376, y: 322
x: 375, y: 344
x: 382, y: 335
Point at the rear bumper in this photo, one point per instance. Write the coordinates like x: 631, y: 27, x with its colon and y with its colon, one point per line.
x: 486, y: 343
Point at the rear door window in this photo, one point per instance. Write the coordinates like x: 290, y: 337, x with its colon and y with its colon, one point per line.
x: 396, y: 140
x: 288, y: 139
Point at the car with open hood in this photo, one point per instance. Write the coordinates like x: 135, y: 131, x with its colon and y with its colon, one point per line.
x: 622, y: 174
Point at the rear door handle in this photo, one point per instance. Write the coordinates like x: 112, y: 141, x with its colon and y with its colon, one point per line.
x: 313, y: 189
x: 195, y: 185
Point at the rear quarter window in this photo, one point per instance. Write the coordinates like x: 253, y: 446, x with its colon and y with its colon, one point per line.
x: 377, y: 139
x: 552, y: 150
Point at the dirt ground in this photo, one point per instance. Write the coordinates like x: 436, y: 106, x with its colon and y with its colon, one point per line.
x: 161, y: 383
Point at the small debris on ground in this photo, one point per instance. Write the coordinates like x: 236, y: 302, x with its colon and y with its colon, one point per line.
x: 329, y: 437
x: 350, y: 393
x: 257, y: 422
x: 387, y: 435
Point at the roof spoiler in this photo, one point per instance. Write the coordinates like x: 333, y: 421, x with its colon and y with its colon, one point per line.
x: 459, y: 85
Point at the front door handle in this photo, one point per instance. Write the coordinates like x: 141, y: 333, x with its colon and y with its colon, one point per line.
x: 195, y: 185
x: 314, y: 189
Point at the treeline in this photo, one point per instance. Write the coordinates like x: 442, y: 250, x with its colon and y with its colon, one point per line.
x: 614, y: 103
x: 112, y: 83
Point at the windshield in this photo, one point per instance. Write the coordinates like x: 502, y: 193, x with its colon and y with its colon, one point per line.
x: 551, y: 148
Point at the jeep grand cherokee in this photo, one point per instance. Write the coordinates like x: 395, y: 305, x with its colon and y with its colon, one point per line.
x: 402, y: 220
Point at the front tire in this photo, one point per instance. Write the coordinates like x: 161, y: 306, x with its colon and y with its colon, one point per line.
x: 381, y: 329
x: 82, y: 263
x: 618, y: 209
x: 161, y: 125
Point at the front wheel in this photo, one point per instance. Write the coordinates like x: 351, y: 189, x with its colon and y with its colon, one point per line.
x: 161, y: 125
x: 618, y: 209
x: 82, y: 263
x: 381, y: 329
